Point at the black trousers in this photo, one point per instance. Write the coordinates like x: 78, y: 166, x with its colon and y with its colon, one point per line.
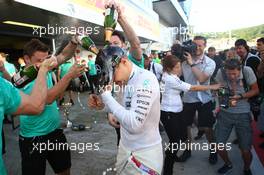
x: 3, y: 141
x: 176, y: 130
x: 92, y: 81
x: 55, y: 150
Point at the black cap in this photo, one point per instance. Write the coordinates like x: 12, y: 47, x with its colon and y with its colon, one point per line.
x: 114, y: 53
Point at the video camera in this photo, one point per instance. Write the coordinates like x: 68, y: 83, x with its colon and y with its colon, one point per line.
x: 178, y: 50
x: 162, y: 54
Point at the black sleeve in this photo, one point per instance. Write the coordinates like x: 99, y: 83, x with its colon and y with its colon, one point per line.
x: 253, y: 62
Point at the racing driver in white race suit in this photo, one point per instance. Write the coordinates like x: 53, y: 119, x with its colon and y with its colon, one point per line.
x: 140, y: 149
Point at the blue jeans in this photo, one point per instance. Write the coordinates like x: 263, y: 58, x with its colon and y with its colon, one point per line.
x: 242, y: 123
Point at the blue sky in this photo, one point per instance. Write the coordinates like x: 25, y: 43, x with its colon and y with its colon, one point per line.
x: 223, y: 15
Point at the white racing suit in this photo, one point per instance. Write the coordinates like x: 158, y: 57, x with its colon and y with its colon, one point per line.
x: 140, y: 150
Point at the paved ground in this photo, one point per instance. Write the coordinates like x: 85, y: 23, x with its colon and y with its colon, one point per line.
x: 92, y: 162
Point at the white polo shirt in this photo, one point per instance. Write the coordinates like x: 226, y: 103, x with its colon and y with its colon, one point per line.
x: 172, y: 87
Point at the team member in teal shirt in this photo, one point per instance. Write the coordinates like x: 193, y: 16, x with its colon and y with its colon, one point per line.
x: 10, y: 68
x: 63, y: 70
x: 45, y: 127
x: 92, y: 72
x: 91, y: 66
x: 13, y: 101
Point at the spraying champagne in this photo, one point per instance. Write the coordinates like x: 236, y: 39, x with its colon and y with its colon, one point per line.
x: 110, y: 22
x: 87, y: 43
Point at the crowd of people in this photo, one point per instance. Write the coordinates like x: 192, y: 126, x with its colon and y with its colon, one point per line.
x: 170, y: 91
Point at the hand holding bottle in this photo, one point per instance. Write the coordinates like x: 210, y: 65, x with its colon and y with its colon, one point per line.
x: 76, y: 70
x: 30, y: 73
x: 216, y: 87
x: 110, y: 22
x: 49, y: 64
x: 75, y: 39
x: 116, y: 6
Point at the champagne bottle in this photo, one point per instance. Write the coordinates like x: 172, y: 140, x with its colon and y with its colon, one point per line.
x: 25, y: 76
x: 110, y: 22
x: 88, y: 44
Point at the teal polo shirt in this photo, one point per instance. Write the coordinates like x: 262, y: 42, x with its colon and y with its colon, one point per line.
x: 65, y: 68
x: 10, y: 100
x: 92, y: 68
x: 44, y: 123
x: 136, y: 62
x: 10, y: 68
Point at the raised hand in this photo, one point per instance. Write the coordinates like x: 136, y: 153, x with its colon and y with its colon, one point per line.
x: 76, y: 70
x: 50, y: 63
x: 94, y: 101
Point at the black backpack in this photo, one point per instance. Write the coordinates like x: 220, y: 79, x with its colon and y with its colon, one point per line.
x: 255, y: 101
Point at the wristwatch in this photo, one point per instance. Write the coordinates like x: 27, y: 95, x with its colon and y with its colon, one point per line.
x: 192, y: 65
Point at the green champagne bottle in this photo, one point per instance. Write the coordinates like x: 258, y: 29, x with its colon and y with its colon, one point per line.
x: 110, y: 22
x: 25, y: 76
x: 88, y: 44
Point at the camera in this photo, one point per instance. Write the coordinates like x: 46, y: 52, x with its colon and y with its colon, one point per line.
x: 162, y: 54
x: 178, y: 50
x: 224, y: 94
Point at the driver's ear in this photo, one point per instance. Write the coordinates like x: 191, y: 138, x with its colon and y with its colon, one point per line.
x: 124, y: 45
x: 123, y: 60
x: 27, y: 59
